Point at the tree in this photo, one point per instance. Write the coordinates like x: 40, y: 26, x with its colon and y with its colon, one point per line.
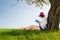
x: 53, y: 14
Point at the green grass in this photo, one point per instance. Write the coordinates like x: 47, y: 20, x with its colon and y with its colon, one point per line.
x: 16, y: 34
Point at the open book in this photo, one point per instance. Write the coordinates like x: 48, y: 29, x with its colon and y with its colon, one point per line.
x: 37, y: 21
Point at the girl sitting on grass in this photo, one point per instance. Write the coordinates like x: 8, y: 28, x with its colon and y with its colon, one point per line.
x: 42, y: 21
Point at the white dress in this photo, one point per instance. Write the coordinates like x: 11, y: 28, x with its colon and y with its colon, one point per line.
x: 43, y: 22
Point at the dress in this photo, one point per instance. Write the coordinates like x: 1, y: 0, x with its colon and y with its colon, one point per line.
x: 43, y: 22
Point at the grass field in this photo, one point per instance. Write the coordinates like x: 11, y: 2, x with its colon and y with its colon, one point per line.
x: 16, y: 34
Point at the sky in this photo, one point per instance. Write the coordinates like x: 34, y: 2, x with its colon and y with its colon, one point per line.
x: 20, y: 15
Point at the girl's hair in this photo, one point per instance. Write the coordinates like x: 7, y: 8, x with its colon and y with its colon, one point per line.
x: 41, y: 14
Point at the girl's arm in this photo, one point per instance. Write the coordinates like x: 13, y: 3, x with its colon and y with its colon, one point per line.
x: 38, y: 22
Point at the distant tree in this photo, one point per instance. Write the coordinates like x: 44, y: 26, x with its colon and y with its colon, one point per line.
x: 53, y: 14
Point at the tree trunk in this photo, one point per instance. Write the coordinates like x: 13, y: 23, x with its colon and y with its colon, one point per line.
x: 59, y: 19
x: 53, y: 15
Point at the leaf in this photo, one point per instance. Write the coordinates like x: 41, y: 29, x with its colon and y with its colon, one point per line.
x: 29, y: 2
x: 38, y: 3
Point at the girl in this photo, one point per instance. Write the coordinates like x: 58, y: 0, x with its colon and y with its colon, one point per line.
x: 42, y: 21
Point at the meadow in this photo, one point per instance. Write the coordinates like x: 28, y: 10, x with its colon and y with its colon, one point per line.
x: 17, y: 34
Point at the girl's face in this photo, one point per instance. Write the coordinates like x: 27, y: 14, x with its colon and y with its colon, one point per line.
x: 41, y: 17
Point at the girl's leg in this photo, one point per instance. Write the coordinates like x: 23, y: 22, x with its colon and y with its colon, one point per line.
x: 32, y: 27
x: 26, y: 28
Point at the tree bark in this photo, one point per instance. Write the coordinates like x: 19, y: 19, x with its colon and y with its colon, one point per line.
x: 53, y: 15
